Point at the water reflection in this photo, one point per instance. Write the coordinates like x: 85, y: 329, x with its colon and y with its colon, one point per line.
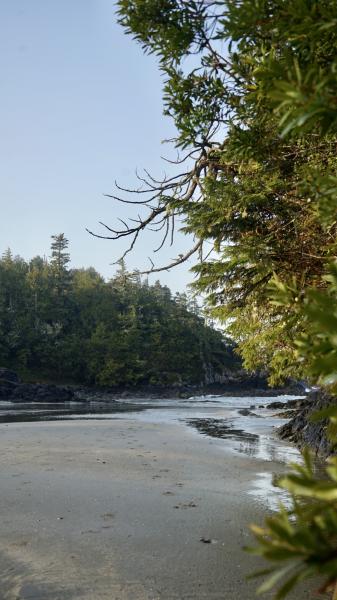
x: 266, y: 491
x: 219, y: 417
x: 248, y: 437
x: 27, y: 412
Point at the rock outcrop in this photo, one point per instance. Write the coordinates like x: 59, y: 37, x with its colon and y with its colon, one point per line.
x: 33, y: 392
x: 8, y: 375
x: 302, y: 431
x: 12, y: 389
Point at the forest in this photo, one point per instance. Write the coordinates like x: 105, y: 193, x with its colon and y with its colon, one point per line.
x: 70, y: 325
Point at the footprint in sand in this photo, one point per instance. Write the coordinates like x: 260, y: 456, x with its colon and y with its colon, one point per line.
x: 22, y: 544
x: 108, y: 516
x: 90, y: 531
x: 186, y: 505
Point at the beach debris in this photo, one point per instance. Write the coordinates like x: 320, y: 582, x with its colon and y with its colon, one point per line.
x: 205, y: 540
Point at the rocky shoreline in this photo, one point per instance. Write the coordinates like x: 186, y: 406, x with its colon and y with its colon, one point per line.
x: 299, y: 430
x: 302, y: 432
x: 14, y: 390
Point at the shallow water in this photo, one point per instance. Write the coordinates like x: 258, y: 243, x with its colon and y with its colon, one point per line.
x: 214, y: 416
x: 21, y: 412
x: 217, y: 418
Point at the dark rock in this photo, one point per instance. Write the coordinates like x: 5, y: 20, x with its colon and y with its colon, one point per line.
x: 184, y: 395
x: 6, y: 390
x: 275, y: 405
x: 302, y: 431
x: 31, y: 392
x: 245, y: 412
x: 296, y: 403
x: 8, y: 375
x: 285, y: 414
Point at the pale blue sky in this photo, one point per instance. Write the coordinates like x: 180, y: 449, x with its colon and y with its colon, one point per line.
x: 80, y: 107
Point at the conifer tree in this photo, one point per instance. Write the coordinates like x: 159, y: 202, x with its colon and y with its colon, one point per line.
x: 60, y: 259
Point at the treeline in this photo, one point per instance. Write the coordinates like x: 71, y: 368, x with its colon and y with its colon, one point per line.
x: 71, y: 325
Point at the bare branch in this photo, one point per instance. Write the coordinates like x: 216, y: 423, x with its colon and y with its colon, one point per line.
x: 179, y: 261
x: 164, y: 237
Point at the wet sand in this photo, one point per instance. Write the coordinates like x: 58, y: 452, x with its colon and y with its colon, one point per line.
x: 118, y: 509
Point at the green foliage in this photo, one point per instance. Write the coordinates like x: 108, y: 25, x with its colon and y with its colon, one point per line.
x: 70, y: 325
x: 301, y: 540
x: 318, y: 343
x: 258, y: 112
x: 167, y: 28
x: 254, y: 108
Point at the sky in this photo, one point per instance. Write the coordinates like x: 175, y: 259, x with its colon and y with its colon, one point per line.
x: 81, y: 107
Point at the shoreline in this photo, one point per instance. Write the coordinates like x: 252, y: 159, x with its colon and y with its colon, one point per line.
x: 126, y: 509
x: 13, y: 389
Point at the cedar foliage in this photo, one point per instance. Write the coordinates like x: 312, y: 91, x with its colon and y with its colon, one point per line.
x: 257, y: 112
x: 250, y: 87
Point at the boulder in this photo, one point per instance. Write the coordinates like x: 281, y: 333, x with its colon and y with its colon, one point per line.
x: 302, y: 431
x: 6, y: 390
x: 275, y: 405
x: 297, y: 403
x: 245, y: 412
x: 31, y: 392
x: 8, y: 375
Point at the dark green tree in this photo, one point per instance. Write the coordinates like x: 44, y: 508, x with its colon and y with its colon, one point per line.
x: 86, y: 330
x: 59, y: 261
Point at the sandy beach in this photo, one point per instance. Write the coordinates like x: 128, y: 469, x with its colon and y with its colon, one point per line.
x: 126, y: 509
